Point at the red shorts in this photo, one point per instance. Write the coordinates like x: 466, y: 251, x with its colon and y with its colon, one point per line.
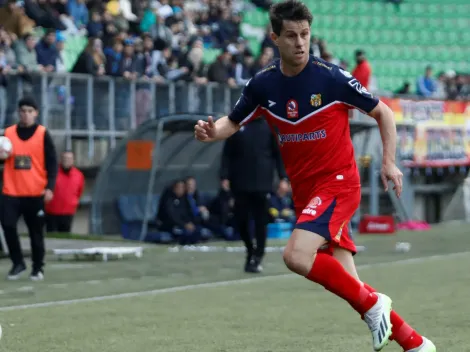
x: 328, y: 214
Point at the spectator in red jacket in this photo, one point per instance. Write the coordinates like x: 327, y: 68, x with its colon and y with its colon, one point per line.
x: 68, y: 190
x: 363, y: 71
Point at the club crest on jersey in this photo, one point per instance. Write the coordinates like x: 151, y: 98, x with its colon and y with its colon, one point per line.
x: 315, y: 100
x: 292, y: 109
x: 315, y: 202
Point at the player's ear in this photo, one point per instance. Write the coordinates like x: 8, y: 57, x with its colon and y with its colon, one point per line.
x: 274, y: 37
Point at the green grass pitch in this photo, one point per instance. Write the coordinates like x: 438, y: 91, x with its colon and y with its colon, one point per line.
x: 272, y: 312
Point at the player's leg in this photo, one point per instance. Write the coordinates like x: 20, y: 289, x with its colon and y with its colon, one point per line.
x: 327, y: 216
x: 402, y: 333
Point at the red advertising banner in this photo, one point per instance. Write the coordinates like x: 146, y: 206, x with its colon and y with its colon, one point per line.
x: 432, y: 133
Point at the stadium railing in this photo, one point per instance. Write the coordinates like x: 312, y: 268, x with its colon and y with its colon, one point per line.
x: 91, y: 114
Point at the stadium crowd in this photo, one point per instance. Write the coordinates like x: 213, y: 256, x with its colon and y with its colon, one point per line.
x: 159, y: 40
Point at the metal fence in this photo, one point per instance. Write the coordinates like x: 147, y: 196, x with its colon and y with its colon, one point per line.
x: 98, y: 111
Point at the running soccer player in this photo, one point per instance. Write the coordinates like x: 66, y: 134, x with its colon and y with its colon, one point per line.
x: 306, y: 102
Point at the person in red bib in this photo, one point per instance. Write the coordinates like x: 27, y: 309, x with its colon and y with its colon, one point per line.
x: 28, y: 180
x: 67, y: 192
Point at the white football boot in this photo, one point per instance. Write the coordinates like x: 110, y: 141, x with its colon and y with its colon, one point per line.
x: 427, y: 346
x: 378, y: 320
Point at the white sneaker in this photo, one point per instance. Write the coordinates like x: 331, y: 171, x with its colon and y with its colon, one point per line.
x: 427, y: 346
x: 378, y: 320
x: 37, y: 275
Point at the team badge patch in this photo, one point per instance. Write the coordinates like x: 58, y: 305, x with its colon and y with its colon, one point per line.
x: 315, y: 100
x: 292, y: 109
x: 315, y: 202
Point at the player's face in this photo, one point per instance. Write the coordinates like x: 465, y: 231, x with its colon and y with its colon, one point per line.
x: 293, y: 42
x: 28, y: 115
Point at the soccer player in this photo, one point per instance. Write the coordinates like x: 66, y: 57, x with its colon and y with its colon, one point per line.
x: 306, y: 101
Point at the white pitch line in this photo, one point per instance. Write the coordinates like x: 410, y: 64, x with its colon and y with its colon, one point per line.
x: 214, y: 284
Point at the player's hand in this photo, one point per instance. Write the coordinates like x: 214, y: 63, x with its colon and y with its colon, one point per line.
x: 204, y: 131
x: 390, y: 172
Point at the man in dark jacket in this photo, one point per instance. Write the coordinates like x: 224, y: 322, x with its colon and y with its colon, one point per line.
x: 249, y: 160
x: 175, y: 216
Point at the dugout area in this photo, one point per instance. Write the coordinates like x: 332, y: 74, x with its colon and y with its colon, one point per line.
x: 134, y: 174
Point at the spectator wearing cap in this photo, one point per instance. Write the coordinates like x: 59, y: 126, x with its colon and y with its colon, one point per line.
x: 60, y: 46
x: 14, y: 20
x: 46, y: 51
x: 363, y: 71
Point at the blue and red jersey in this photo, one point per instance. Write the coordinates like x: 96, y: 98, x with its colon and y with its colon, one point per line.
x: 309, y: 113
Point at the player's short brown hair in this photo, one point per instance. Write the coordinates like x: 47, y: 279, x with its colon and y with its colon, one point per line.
x: 288, y: 10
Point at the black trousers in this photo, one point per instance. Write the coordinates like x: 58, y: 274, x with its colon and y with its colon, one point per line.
x: 58, y: 223
x: 252, y: 207
x: 32, y: 210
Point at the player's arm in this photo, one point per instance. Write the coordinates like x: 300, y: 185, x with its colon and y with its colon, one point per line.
x: 388, y: 131
x: 351, y: 92
x: 245, y: 109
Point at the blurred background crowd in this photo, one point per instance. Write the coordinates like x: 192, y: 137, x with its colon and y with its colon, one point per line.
x: 165, y: 40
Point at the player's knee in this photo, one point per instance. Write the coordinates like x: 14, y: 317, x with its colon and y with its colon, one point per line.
x: 297, y: 261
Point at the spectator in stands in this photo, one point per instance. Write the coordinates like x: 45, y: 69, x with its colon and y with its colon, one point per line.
x: 4, y: 70
x: 281, y: 205
x: 405, y: 89
x: 114, y: 59
x: 244, y: 69
x: 175, y: 217
x: 459, y: 88
x: 266, y: 56
x: 92, y: 59
x: 219, y: 70
x: 14, y: 20
x: 221, y: 211
x: 228, y: 27
x: 59, y: 10
x: 26, y: 56
x: 67, y: 192
x: 95, y: 26
x: 167, y: 66
x: 8, y: 59
x: 60, y: 46
x: 192, y: 59
x: 46, y: 51
x: 161, y: 34
x: 43, y: 14
x: 268, y: 43
x: 79, y: 13
x: 441, y: 86
x: 363, y: 71
x: 426, y: 85
x: 314, y: 46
